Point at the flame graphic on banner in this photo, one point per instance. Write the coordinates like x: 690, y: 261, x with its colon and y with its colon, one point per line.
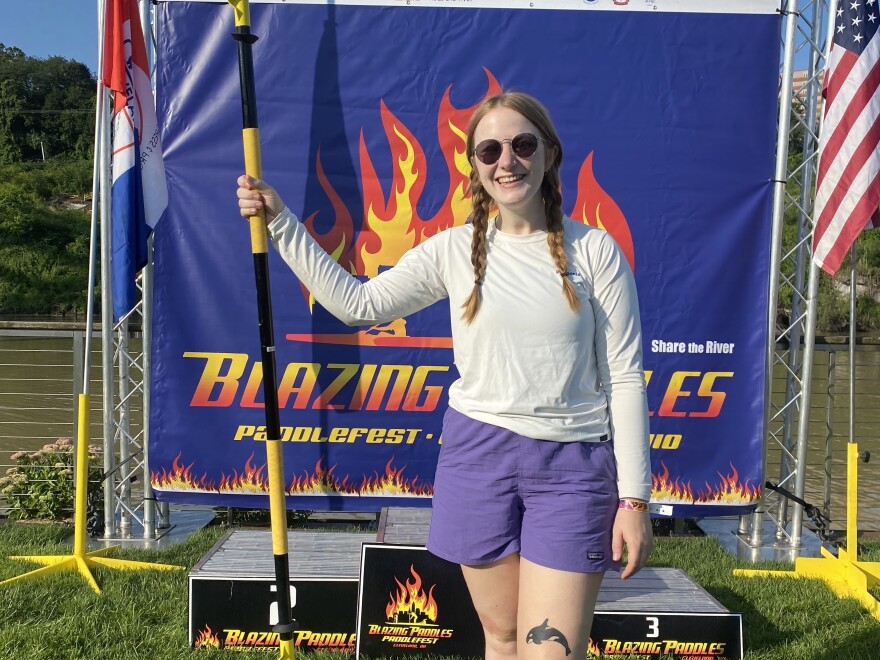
x: 597, y: 208
x: 664, y: 490
x: 323, y: 482
x: 253, y: 480
x: 391, y: 224
x: 320, y: 482
x: 180, y: 477
x: 411, y: 605
x: 728, y: 491
x: 207, y: 639
x: 592, y: 649
x: 394, y: 483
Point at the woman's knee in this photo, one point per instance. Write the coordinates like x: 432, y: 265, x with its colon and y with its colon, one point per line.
x: 500, y: 635
x: 494, y: 590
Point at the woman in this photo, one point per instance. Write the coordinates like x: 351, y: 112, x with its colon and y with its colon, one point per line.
x: 531, y: 496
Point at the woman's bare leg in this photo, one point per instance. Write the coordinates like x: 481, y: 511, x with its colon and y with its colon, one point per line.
x: 494, y: 590
x: 555, y: 611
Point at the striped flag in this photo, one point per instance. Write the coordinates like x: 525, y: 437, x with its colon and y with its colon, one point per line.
x: 848, y: 182
x: 140, y: 193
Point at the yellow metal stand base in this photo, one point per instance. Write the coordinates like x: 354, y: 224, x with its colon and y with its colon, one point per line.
x: 84, y: 562
x: 845, y: 577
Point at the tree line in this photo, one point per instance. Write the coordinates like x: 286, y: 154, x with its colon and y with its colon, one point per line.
x: 47, y: 123
x: 47, y: 108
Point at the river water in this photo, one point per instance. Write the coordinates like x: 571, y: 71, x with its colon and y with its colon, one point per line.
x: 37, y: 407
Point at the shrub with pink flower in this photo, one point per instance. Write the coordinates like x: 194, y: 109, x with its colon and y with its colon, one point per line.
x: 41, y: 484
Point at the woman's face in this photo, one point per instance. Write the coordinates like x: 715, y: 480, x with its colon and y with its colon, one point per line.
x: 514, y: 182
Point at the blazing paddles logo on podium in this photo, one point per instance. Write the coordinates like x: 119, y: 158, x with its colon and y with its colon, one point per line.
x: 688, y: 635
x: 411, y: 602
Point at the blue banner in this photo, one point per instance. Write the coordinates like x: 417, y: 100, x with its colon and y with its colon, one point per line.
x: 668, y: 124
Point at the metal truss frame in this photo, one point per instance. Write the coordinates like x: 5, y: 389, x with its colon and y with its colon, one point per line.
x: 792, y: 335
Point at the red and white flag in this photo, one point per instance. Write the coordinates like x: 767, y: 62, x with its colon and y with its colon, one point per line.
x: 140, y: 193
x: 848, y: 182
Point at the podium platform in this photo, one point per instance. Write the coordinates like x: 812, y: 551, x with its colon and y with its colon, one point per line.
x: 659, y: 611
x: 231, y: 601
x: 383, y: 594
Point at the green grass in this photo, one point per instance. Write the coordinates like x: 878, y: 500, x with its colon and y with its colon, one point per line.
x: 143, y: 614
x: 782, y: 618
x: 140, y: 614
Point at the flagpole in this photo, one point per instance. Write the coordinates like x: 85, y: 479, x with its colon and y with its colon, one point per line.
x: 260, y: 248
x: 106, y: 301
x: 149, y: 499
x: 852, y: 447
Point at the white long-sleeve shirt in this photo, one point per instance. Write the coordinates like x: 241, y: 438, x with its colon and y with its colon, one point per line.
x: 527, y: 363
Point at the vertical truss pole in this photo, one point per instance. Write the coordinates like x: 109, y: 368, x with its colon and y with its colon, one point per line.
x: 818, y: 52
x: 829, y: 433
x: 123, y: 429
x: 804, y: 263
x: 107, y: 335
x: 792, y: 267
x: 797, y: 517
x: 149, y: 501
x: 149, y: 498
x: 779, y: 182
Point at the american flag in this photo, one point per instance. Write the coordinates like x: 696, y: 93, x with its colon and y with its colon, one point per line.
x: 848, y: 182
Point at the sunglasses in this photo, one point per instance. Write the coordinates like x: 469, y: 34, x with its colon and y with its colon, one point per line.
x: 523, y: 145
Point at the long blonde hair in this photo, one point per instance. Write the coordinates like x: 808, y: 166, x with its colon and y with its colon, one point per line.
x: 530, y: 108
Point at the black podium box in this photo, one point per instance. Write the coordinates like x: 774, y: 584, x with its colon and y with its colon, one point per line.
x: 231, y: 591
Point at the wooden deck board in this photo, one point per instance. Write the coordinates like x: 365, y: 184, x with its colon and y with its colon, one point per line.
x: 248, y: 553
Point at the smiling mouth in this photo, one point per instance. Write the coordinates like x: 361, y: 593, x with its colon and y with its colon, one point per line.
x: 511, y: 178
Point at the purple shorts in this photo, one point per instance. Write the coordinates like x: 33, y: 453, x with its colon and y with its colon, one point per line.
x: 497, y: 492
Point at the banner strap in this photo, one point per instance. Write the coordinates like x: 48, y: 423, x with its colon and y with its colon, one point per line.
x: 812, y: 511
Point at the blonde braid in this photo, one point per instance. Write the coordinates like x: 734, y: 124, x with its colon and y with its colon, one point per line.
x: 480, y: 221
x: 555, y: 236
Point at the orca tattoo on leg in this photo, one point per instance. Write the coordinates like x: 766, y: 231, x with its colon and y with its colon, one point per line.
x: 545, y: 633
